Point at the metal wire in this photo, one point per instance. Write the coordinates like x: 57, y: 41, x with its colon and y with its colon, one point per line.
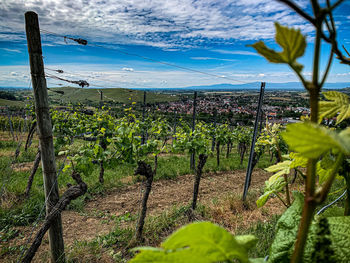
x: 79, y: 40
x: 332, y: 203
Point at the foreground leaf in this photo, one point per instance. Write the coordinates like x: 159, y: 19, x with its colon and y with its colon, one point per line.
x: 312, y: 140
x: 293, y: 44
x: 199, y: 242
x: 286, y: 231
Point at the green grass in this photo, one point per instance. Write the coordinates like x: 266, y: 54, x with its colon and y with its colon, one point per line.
x: 110, y: 94
x: 11, y: 103
x: 24, y: 212
x: 265, y: 232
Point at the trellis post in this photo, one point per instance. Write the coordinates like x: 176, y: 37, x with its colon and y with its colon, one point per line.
x: 45, y: 132
x: 252, y: 146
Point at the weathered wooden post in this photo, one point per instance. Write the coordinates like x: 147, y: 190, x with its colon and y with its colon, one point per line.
x: 251, y: 155
x: 101, y: 98
x: 45, y: 132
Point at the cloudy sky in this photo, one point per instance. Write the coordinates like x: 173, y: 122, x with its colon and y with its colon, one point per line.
x: 205, y: 35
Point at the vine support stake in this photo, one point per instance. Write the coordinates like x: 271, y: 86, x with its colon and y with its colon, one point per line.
x: 193, y: 161
x: 251, y: 155
x: 45, y: 133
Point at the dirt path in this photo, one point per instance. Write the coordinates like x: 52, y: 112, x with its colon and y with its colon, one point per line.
x: 164, y: 195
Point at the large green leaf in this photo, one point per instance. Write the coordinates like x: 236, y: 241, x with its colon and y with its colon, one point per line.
x: 199, y: 242
x: 312, y: 140
x: 209, y: 239
x: 292, y: 42
x: 337, y: 103
x: 340, y: 237
x: 286, y: 231
x: 344, y: 139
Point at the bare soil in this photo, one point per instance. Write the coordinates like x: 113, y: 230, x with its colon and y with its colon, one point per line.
x: 220, y: 192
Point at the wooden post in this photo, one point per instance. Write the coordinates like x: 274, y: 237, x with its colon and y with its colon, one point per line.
x: 101, y: 98
x: 251, y: 155
x: 45, y: 133
x: 193, y: 161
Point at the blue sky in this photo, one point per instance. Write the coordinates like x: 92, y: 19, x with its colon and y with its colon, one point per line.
x: 209, y: 36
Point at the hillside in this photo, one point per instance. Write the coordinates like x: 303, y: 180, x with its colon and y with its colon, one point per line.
x: 116, y: 95
x: 11, y: 103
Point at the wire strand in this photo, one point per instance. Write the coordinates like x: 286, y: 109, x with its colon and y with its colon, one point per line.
x: 150, y: 59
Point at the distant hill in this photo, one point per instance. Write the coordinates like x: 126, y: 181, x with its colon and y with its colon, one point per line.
x: 269, y: 85
x: 253, y: 86
x: 116, y: 95
x: 11, y: 103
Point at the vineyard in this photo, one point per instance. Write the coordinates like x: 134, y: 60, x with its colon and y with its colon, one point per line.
x: 128, y: 181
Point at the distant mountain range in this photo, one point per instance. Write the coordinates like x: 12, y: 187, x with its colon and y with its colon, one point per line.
x: 269, y: 86
x: 247, y: 86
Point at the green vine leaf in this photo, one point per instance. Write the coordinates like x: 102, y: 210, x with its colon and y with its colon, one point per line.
x: 340, y: 237
x: 337, y: 102
x: 279, y: 169
x: 198, y: 242
x: 293, y: 44
x: 286, y: 231
x: 312, y: 140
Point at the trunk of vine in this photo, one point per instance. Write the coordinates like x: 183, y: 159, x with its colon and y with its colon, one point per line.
x: 102, y: 172
x: 102, y: 168
x: 30, y: 136
x: 145, y: 170
x: 73, y: 192
x: 11, y: 126
x: 217, y: 154
x: 31, y: 177
x: 242, y: 150
x: 155, y: 164
x: 228, y: 150
x: 201, y: 163
x: 18, y: 150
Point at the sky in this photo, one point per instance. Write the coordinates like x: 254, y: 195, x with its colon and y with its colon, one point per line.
x: 126, y: 37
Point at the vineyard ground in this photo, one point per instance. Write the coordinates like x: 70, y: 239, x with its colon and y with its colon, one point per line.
x: 98, y: 227
x: 219, y: 198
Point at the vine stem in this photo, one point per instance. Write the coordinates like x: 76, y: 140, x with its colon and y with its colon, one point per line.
x: 309, y: 201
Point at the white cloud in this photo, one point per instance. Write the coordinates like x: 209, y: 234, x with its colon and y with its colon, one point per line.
x: 104, y: 75
x: 11, y: 50
x: 165, y: 24
x: 235, y: 52
x: 128, y: 69
x: 212, y: 58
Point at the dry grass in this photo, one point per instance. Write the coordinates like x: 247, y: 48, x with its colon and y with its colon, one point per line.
x: 236, y: 215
